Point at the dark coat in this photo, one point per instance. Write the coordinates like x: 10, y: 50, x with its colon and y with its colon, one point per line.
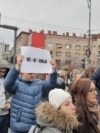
x: 96, y: 78
x: 88, y: 123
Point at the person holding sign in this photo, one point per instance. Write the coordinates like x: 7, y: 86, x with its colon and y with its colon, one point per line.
x: 27, y: 93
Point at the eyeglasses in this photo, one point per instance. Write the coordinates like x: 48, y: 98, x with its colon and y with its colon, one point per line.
x: 93, y: 90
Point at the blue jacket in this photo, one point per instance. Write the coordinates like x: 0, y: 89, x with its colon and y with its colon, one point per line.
x: 26, y: 96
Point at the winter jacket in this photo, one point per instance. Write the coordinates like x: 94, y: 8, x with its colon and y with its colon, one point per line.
x: 54, y: 120
x: 26, y: 96
x: 4, y: 64
x: 96, y: 77
x: 87, y: 120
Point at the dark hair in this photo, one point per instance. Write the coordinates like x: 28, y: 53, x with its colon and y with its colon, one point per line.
x: 89, y: 71
x: 79, y: 92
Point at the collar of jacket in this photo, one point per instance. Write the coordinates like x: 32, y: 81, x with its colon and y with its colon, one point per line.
x: 48, y: 115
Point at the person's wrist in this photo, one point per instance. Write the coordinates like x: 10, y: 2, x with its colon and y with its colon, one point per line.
x: 17, y: 67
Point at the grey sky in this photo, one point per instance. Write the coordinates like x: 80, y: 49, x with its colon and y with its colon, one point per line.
x: 60, y: 15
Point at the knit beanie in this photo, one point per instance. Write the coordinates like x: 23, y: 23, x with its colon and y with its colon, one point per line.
x: 58, y: 96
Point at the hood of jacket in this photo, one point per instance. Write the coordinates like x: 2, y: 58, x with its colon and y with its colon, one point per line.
x: 48, y: 115
x: 4, y: 64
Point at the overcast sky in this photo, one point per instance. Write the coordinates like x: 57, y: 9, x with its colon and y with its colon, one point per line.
x: 60, y: 15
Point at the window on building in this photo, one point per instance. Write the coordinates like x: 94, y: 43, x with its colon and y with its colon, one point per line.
x: 98, y: 53
x: 1, y: 49
x: 68, y: 54
x: 6, y: 47
x: 58, y: 62
x: 77, y: 54
x: 50, y: 45
x: 68, y: 62
x: 58, y: 53
x: 68, y: 46
x: 94, y: 54
x: 58, y: 45
x: 98, y: 46
x: 85, y: 47
x: 94, y: 39
x: 77, y: 47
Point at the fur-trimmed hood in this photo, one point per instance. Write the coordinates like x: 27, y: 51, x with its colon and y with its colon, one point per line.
x: 48, y: 115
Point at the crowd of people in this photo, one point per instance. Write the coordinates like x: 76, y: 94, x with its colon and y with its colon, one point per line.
x: 60, y: 102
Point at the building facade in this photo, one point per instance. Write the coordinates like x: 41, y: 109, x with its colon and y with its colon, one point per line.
x: 95, y: 50
x: 3, y: 47
x: 64, y: 49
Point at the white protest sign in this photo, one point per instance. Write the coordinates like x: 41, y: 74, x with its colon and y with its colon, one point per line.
x: 36, y: 60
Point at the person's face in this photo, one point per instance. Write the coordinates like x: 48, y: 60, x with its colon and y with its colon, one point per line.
x: 92, y: 94
x: 28, y: 76
x: 68, y: 107
x: 2, y: 72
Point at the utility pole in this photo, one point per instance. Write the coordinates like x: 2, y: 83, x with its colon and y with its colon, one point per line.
x: 88, y: 52
x: 15, y: 35
x: 0, y: 18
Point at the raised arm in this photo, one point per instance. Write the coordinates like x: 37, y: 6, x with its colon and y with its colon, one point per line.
x: 50, y: 84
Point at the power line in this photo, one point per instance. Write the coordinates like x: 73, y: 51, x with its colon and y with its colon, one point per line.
x: 45, y: 24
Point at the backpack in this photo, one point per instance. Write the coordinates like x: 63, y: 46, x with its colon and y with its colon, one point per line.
x: 38, y: 129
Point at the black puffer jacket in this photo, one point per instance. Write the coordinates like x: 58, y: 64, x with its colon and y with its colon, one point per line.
x: 96, y: 78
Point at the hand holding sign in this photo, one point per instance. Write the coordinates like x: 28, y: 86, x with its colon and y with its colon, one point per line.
x: 19, y: 61
x: 53, y: 63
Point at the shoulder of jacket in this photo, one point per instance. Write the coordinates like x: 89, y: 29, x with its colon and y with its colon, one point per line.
x: 36, y: 80
x: 47, y: 130
x: 37, y: 129
x: 51, y: 130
